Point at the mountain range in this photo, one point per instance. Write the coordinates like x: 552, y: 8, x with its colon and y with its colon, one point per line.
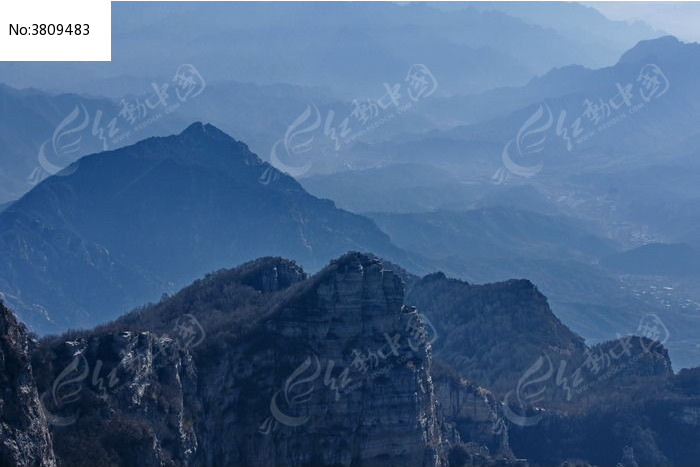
x: 440, y: 234
x: 122, y: 227
x: 626, y: 182
x: 262, y: 364
x: 357, y: 48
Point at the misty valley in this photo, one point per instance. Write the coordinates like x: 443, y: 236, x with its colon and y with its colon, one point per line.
x: 356, y: 234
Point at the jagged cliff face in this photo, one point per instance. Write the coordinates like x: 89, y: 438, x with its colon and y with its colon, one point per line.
x: 557, y: 398
x: 261, y: 365
x: 331, y: 370
x: 478, y: 431
x: 123, y: 398
x: 328, y: 379
x: 24, y: 433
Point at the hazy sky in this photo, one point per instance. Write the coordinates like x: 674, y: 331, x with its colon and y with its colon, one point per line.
x: 678, y: 18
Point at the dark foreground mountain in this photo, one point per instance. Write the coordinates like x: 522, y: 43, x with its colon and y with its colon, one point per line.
x: 614, y: 402
x: 24, y: 434
x: 262, y: 365
x: 281, y: 370
x: 122, y: 227
x: 492, y: 333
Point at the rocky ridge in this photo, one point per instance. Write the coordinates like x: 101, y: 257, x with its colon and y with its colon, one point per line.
x: 283, y: 370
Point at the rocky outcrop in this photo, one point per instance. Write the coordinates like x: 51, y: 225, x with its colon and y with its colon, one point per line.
x: 270, y: 274
x: 24, y: 433
x: 120, y: 397
x: 330, y: 370
x: 475, y: 414
x: 261, y: 365
x: 337, y: 375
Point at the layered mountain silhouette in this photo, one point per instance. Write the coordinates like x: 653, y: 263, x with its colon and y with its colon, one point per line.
x: 32, y: 119
x: 44, y: 132
x: 657, y: 76
x: 628, y: 179
x: 272, y: 370
x: 350, y: 48
x: 120, y: 228
x: 657, y: 259
x: 440, y: 235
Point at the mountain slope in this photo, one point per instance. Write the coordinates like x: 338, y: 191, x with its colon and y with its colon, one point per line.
x: 25, y: 439
x: 481, y: 325
x: 656, y: 259
x: 494, y: 233
x: 659, y: 78
x: 30, y: 119
x: 124, y: 226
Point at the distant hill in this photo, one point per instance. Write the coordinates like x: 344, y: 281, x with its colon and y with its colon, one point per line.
x: 352, y: 48
x: 656, y: 259
x: 493, y: 233
x: 654, y: 125
x: 32, y: 118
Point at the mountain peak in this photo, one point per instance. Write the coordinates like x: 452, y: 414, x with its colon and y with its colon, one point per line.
x: 200, y: 144
x: 193, y: 128
x: 357, y: 258
x: 200, y: 128
x: 206, y: 131
x: 198, y: 193
x: 653, y: 50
